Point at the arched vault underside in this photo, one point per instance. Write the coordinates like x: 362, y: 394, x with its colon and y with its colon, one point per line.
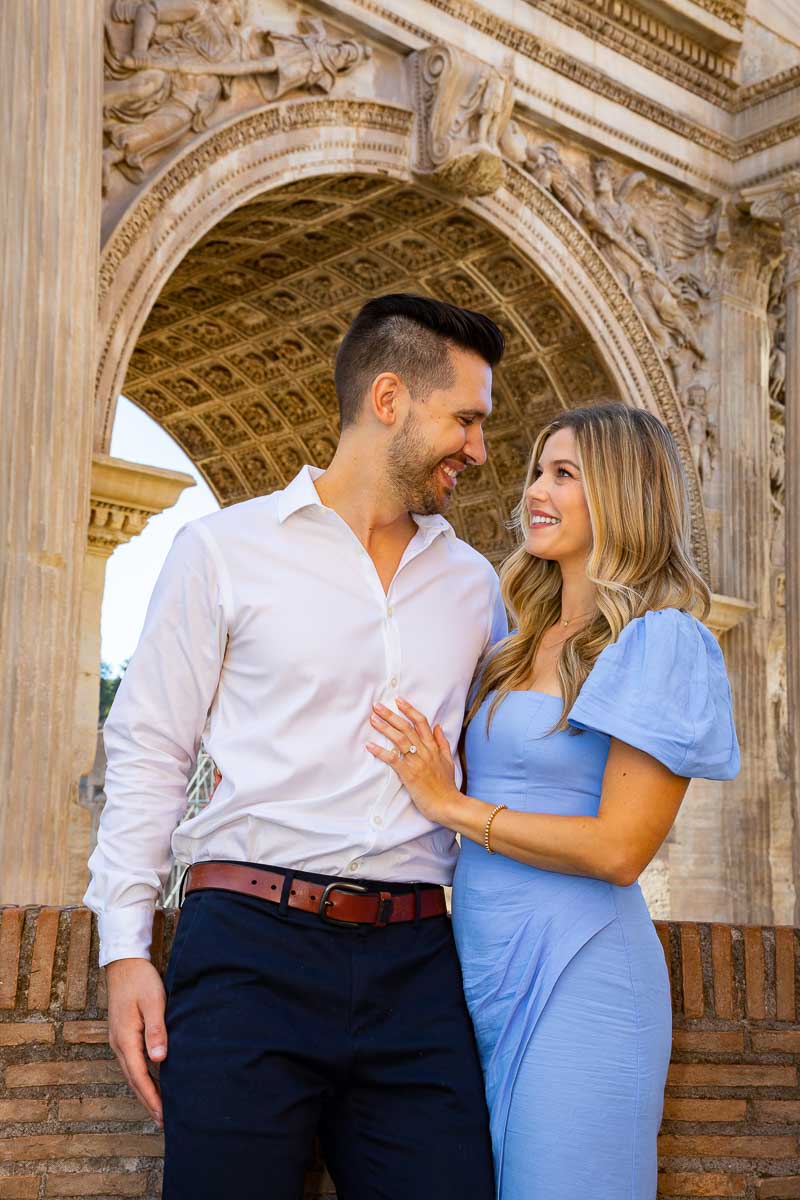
x: 235, y: 358
x: 229, y: 281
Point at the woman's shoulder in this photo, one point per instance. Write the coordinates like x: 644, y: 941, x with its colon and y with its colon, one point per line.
x: 662, y: 686
x: 668, y: 626
x: 664, y: 654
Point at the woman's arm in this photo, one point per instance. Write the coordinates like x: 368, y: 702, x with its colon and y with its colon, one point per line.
x: 638, y: 804
x: 639, y: 801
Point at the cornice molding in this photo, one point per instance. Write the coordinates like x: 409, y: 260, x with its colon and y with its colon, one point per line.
x: 124, y: 497
x: 767, y: 89
x: 775, y: 173
x: 638, y: 35
x: 527, y: 44
x: 774, y: 136
x: 732, y: 12
x: 726, y: 613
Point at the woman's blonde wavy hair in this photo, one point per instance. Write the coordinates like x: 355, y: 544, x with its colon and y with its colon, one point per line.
x: 640, y: 558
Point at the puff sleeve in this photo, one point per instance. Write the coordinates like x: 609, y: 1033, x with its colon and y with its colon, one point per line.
x: 662, y: 688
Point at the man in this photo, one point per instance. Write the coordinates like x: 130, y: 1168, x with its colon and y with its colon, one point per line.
x: 313, y: 985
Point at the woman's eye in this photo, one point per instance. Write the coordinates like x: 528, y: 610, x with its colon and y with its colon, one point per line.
x: 564, y: 471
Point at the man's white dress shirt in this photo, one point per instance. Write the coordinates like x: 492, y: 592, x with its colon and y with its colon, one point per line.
x: 270, y: 637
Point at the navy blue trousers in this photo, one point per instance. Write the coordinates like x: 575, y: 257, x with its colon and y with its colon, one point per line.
x: 282, y: 1026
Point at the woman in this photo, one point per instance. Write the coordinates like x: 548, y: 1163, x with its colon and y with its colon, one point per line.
x: 584, y: 729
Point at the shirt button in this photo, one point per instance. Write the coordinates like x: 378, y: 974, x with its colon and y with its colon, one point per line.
x: 377, y: 820
x: 393, y: 681
x: 353, y: 866
x: 390, y: 611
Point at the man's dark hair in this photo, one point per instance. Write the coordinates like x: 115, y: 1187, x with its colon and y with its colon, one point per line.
x: 411, y: 336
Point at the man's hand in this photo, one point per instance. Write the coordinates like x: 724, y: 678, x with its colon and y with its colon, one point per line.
x: 136, y: 1002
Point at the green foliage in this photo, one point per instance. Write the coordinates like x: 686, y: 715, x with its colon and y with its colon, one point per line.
x: 109, y: 682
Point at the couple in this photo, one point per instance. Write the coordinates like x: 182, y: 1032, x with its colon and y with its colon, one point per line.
x: 325, y: 641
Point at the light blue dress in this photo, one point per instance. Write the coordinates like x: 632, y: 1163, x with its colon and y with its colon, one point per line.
x: 564, y: 975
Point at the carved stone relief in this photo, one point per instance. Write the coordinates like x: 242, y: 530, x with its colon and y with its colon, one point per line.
x: 463, y: 110
x: 235, y: 359
x: 655, y: 242
x: 776, y: 318
x: 168, y: 68
x: 701, y: 426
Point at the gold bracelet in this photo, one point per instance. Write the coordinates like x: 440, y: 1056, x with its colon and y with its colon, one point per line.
x: 497, y: 808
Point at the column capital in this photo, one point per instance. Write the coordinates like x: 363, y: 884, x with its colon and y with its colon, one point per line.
x: 124, y: 497
x: 749, y: 254
x: 778, y: 201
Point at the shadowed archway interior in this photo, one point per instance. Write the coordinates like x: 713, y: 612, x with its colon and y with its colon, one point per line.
x: 235, y: 359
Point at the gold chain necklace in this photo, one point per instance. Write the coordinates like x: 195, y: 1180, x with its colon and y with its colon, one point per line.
x: 577, y: 617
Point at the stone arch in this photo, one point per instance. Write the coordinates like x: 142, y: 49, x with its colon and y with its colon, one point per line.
x: 284, y: 151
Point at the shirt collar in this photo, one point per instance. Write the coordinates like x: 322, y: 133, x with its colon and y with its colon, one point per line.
x: 301, y: 493
x: 432, y: 526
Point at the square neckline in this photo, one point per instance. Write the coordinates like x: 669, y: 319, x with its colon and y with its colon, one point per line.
x: 535, y: 692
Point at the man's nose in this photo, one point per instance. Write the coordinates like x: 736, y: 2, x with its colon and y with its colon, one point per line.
x: 475, y: 448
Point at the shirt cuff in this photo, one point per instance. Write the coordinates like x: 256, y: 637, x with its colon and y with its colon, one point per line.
x: 125, y: 933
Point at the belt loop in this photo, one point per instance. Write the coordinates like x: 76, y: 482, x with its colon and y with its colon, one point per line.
x: 288, y: 880
x: 417, y: 905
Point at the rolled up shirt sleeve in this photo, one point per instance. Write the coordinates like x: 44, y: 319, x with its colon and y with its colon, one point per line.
x: 152, y: 735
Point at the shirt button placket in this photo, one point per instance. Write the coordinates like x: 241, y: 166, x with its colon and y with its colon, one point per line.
x: 393, y: 648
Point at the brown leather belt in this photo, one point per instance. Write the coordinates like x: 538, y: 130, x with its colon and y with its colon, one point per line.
x: 339, y: 900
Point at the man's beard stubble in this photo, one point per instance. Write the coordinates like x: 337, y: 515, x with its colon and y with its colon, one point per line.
x: 410, y: 468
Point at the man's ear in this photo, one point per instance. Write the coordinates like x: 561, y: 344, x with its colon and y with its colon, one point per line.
x: 388, y: 396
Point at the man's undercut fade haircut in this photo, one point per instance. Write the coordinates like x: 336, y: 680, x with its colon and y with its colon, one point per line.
x: 410, y: 336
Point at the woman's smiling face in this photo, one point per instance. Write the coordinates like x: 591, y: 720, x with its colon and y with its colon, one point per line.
x: 560, y: 525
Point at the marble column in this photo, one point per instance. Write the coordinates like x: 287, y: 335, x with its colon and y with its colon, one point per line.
x: 51, y: 63
x: 779, y: 202
x: 124, y: 496
x: 740, y: 339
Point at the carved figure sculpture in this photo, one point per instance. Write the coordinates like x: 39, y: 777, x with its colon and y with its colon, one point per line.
x: 463, y: 111
x: 547, y: 167
x: 207, y: 29
x: 701, y: 429
x: 309, y: 61
x: 635, y: 254
x: 776, y: 321
x: 777, y: 463
x: 183, y: 58
x: 635, y: 244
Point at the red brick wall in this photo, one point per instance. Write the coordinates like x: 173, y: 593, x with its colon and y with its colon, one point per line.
x: 732, y: 1109
x: 70, y: 1127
